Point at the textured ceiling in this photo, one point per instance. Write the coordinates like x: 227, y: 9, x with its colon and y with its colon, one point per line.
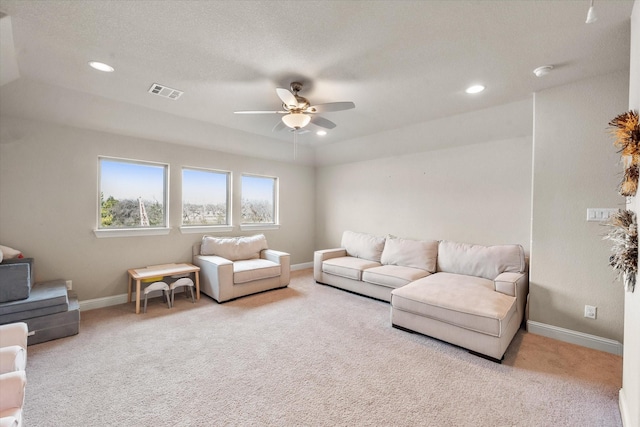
x: 401, y: 62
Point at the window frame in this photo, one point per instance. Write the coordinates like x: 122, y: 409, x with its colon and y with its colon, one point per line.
x: 276, y: 205
x: 203, y: 228
x: 133, y: 231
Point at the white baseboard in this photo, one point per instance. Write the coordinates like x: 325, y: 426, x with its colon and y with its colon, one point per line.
x: 92, y: 304
x: 302, y: 266
x: 624, y: 411
x: 575, y: 337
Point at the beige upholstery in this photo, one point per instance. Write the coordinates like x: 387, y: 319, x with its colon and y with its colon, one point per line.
x: 13, y: 379
x: 12, y: 388
x: 253, y: 269
x: 470, y: 295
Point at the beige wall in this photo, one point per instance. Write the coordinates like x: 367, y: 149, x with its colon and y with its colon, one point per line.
x: 630, y: 392
x: 479, y: 193
x: 575, y: 168
x: 48, y: 203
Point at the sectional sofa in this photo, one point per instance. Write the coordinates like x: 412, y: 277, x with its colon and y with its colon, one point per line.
x: 469, y: 295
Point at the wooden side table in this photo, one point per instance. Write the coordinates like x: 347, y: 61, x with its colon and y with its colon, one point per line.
x: 139, y: 274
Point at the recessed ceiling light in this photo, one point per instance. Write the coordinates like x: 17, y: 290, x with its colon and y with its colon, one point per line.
x: 101, y: 66
x: 475, y: 89
x: 321, y: 132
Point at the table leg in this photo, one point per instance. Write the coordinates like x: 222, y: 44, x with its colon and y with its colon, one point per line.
x: 138, y: 296
x: 129, y: 290
x: 197, y: 273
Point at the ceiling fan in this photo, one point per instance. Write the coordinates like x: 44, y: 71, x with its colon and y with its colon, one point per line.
x: 298, y: 112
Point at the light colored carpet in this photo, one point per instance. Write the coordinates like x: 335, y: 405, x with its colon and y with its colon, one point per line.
x: 307, y: 355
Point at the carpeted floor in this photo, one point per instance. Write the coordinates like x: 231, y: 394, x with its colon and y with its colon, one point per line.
x: 307, y: 355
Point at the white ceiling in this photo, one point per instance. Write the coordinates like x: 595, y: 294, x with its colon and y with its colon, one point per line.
x: 401, y: 62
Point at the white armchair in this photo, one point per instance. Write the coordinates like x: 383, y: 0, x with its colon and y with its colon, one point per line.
x: 12, y: 387
x: 238, y: 266
x: 13, y: 379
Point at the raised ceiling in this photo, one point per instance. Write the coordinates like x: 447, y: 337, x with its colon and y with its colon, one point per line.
x: 401, y: 62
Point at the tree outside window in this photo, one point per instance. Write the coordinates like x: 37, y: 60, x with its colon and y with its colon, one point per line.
x: 259, y: 199
x: 205, y: 197
x: 133, y: 194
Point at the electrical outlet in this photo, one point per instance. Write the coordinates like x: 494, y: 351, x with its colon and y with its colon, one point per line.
x: 590, y: 311
x: 69, y: 285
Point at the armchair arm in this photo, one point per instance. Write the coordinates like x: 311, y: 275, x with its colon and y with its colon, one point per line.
x: 12, y: 358
x: 14, y: 334
x: 322, y: 255
x: 12, y: 385
x: 216, y: 275
x: 282, y: 258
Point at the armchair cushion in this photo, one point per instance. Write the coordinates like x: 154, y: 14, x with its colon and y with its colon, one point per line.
x: 254, y: 269
x: 234, y: 248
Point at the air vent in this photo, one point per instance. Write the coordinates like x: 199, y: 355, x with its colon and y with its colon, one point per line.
x: 165, y: 92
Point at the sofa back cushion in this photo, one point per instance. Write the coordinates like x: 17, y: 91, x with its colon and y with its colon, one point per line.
x: 234, y: 248
x: 420, y: 254
x: 480, y: 261
x: 361, y: 245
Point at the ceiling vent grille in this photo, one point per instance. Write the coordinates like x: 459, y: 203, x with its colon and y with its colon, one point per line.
x: 165, y: 92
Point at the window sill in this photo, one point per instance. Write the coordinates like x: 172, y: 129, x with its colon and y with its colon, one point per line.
x: 248, y: 227
x: 132, y: 232
x: 199, y: 229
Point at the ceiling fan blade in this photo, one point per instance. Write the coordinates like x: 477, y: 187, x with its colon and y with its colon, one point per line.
x: 322, y: 122
x: 279, y: 126
x: 260, y: 112
x: 287, y: 97
x: 330, y: 106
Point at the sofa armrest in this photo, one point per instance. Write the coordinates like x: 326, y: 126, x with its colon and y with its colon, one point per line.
x: 14, y: 334
x: 322, y: 255
x: 507, y: 283
x: 515, y: 285
x: 216, y: 274
x: 12, y: 385
x: 282, y: 258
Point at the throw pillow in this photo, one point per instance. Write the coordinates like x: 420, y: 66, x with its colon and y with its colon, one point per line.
x: 9, y: 253
x: 420, y: 254
x: 361, y: 245
x: 234, y: 248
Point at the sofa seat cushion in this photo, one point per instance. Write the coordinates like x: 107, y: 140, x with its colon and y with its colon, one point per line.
x: 347, y: 266
x: 468, y: 302
x: 254, y: 269
x: 392, y: 276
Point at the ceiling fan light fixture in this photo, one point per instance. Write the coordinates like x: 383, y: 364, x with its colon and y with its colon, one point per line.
x: 321, y: 132
x: 296, y: 120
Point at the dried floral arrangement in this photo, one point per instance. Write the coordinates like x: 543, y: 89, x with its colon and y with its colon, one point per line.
x: 624, y: 235
x: 626, y: 131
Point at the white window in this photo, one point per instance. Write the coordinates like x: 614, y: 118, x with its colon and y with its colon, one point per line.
x: 205, y: 197
x: 133, y: 194
x: 259, y: 200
